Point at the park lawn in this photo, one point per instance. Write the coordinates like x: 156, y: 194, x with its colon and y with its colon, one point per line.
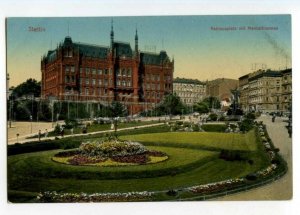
x: 212, y: 170
x: 40, y: 165
x: 211, y: 140
x: 193, y: 160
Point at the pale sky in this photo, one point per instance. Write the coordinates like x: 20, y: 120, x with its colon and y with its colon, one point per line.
x: 199, y: 52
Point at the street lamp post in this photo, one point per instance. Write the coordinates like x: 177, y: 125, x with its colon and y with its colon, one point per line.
x: 30, y: 123
x: 10, y: 111
x: 52, y: 111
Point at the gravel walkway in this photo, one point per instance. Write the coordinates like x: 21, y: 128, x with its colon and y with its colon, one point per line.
x: 22, y: 139
x: 281, y: 189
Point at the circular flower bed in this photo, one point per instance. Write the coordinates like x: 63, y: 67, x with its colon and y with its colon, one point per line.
x: 110, y: 153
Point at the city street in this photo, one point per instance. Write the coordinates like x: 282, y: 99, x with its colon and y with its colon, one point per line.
x: 281, y: 189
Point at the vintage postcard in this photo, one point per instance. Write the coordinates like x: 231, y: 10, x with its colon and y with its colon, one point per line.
x: 149, y: 108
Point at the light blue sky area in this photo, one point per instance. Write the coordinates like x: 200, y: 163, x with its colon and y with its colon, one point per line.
x: 199, y: 52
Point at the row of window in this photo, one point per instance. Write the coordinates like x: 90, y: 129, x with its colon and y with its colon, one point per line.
x: 190, y: 86
x: 69, y: 69
x: 152, y: 77
x: 155, y: 95
x: 152, y: 86
x: 94, y: 82
x: 190, y: 90
x: 99, y: 82
x: 189, y: 94
x: 124, y: 72
x: 94, y: 92
x: 267, y: 83
x: 120, y: 72
x: 94, y: 71
x: 124, y: 83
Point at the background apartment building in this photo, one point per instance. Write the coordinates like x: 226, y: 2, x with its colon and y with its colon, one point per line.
x: 286, y: 96
x: 190, y: 91
x: 266, y: 91
x: 221, y: 88
x: 244, y: 92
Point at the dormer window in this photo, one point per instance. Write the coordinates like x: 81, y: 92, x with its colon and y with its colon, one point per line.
x: 68, y: 52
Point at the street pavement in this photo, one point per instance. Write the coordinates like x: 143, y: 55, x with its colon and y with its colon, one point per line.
x: 282, y: 189
x: 26, y: 129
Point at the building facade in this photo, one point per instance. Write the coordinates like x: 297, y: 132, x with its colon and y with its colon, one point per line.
x: 286, y: 95
x: 221, y: 88
x: 244, y: 92
x: 266, y: 91
x: 84, y: 72
x: 190, y: 91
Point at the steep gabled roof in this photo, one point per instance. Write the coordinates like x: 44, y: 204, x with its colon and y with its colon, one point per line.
x: 122, y: 49
x: 153, y: 58
x: 92, y: 50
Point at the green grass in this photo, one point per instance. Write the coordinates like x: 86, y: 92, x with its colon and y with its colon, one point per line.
x: 193, y: 160
x: 209, y: 140
x: 213, y: 169
x: 179, y: 160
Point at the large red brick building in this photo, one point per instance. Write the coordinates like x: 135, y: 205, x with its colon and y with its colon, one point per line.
x: 84, y: 72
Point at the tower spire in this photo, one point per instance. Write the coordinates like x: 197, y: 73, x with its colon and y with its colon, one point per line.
x: 136, y: 41
x: 112, y: 33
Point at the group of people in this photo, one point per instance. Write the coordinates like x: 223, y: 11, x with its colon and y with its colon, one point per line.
x: 45, y: 134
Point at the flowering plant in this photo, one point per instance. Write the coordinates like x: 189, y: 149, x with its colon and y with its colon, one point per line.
x: 53, y: 196
x: 217, y: 186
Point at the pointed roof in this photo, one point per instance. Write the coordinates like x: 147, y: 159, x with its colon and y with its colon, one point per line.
x: 122, y: 49
x: 149, y: 58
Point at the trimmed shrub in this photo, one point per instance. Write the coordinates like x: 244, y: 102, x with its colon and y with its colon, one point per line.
x: 171, y: 193
x: 222, y: 118
x: 251, y: 177
x: 246, y: 125
x: 213, y: 117
x: 214, y: 127
x: 229, y: 155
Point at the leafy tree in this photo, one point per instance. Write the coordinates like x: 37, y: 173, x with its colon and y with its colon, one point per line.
x: 117, y: 109
x: 172, y: 104
x: 28, y: 88
x: 212, y: 102
x: 201, y: 107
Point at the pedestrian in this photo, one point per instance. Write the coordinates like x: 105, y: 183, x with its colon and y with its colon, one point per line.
x: 46, y: 133
x: 290, y: 131
x: 273, y: 118
x: 62, y: 132
x: 39, y: 135
x: 72, y: 131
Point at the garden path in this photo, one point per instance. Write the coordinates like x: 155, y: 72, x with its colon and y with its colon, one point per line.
x: 22, y: 139
x: 281, y: 189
